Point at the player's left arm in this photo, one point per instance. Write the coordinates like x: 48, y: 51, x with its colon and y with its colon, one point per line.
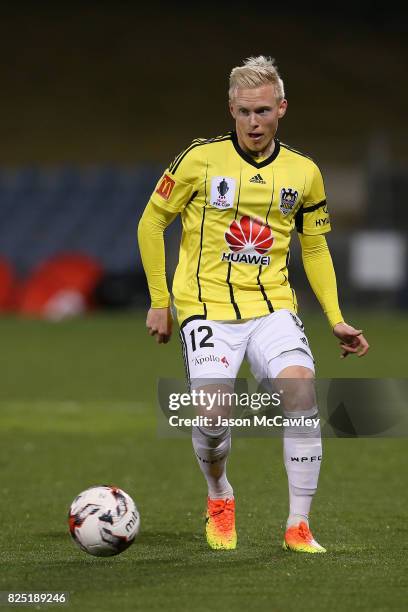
x: 319, y: 269
x: 312, y: 222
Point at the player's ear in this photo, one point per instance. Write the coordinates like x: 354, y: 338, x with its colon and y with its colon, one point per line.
x: 283, y: 105
x: 231, y: 107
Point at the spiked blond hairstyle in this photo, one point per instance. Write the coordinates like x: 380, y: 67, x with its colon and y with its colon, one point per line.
x: 255, y: 72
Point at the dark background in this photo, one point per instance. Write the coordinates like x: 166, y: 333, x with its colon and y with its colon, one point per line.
x: 123, y: 82
x: 98, y: 97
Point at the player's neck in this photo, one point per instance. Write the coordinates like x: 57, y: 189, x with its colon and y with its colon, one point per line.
x: 264, y: 153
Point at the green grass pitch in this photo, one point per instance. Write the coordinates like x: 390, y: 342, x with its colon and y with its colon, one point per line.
x: 78, y: 407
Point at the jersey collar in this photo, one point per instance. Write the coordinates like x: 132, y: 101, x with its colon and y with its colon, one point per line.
x: 251, y: 160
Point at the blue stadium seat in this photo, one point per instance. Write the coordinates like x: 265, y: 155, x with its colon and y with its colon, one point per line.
x: 94, y: 210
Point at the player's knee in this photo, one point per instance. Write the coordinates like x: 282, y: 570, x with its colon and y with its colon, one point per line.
x: 214, y: 402
x: 298, y: 396
x: 296, y: 372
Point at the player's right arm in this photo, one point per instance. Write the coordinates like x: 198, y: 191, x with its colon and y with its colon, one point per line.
x: 151, y: 243
x: 171, y: 195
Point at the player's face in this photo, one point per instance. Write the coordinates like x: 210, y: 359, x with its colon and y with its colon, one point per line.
x: 257, y: 112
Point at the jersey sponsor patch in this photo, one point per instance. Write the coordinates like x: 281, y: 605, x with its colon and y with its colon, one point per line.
x: 222, y: 192
x: 322, y: 221
x: 288, y: 199
x: 166, y: 187
x: 199, y: 360
x: 249, y: 241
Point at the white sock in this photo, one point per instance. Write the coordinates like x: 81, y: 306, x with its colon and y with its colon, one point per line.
x: 212, y: 448
x: 302, y: 455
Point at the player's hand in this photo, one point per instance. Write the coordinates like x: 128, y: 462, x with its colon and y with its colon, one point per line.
x: 351, y: 340
x: 159, y: 323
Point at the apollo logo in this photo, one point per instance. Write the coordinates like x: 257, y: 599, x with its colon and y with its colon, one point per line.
x: 249, y: 240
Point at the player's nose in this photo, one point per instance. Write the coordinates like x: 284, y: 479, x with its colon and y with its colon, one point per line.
x: 253, y: 120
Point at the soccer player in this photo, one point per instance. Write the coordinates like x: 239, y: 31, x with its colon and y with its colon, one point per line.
x: 240, y: 196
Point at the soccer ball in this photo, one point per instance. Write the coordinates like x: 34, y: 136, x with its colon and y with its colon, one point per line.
x: 103, y: 521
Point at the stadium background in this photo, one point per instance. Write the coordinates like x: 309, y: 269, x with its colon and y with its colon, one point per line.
x: 97, y: 98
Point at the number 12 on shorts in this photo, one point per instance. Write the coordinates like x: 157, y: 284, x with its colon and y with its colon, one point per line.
x: 203, y: 341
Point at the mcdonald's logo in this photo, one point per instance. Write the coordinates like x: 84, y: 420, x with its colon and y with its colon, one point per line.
x: 166, y: 187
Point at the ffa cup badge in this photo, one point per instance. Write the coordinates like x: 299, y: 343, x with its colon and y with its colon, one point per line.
x: 222, y: 192
x: 288, y: 199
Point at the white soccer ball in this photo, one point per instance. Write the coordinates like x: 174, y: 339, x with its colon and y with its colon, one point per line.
x: 104, y: 521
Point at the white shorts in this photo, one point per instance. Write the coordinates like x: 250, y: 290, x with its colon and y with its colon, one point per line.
x: 216, y: 349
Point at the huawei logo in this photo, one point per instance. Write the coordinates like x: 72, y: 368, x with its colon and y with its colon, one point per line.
x: 249, y: 235
x: 249, y: 240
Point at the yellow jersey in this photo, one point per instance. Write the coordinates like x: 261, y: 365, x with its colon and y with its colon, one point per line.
x: 237, y: 217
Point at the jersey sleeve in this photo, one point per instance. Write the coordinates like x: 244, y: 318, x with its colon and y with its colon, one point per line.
x: 313, y: 218
x: 151, y: 244
x: 320, y: 272
x: 177, y: 185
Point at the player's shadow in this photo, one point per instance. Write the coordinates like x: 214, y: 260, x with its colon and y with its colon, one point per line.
x: 175, y: 540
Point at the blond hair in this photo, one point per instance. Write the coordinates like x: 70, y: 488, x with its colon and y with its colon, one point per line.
x: 255, y: 72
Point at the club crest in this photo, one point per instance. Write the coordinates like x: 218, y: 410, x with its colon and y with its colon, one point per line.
x: 288, y: 199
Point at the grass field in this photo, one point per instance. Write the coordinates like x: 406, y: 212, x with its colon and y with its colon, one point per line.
x: 78, y: 407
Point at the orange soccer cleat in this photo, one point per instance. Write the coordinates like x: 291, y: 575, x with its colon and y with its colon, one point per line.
x: 220, y: 524
x: 299, y: 538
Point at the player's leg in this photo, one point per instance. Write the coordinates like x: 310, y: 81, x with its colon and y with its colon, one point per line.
x: 212, y: 446
x: 302, y: 446
x: 279, y: 348
x: 213, y: 352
